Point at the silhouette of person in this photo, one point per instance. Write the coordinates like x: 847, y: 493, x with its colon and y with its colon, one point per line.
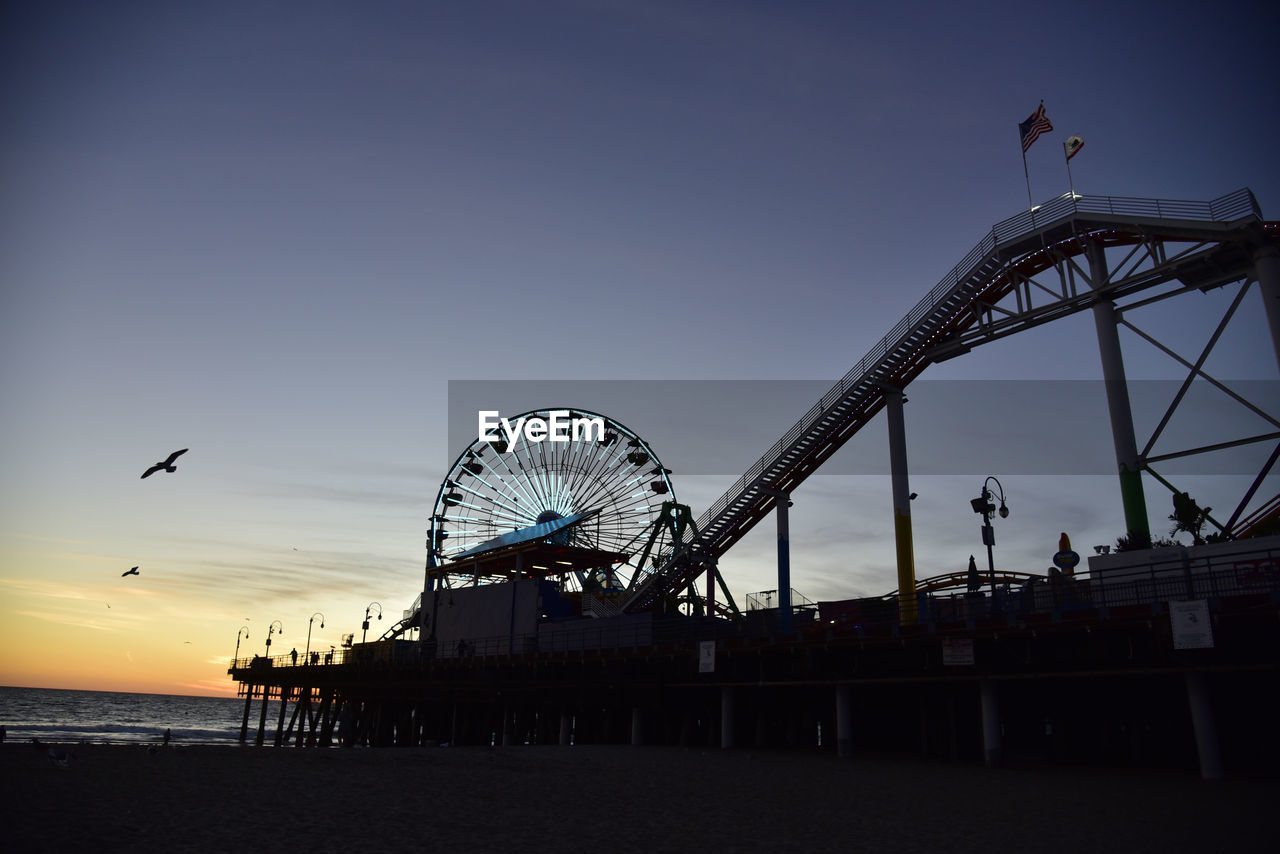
x: 168, y: 734
x: 293, y: 655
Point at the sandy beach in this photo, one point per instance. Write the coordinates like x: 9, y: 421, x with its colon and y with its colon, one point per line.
x: 612, y: 799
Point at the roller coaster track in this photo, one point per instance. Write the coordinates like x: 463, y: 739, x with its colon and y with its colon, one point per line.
x: 1201, y: 244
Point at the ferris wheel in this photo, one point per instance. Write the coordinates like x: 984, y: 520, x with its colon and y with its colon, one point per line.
x: 597, y: 488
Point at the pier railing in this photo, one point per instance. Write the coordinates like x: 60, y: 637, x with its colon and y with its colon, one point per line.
x: 1151, y: 584
x: 321, y: 659
x: 616, y: 633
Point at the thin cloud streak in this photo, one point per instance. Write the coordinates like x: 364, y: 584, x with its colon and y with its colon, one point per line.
x: 71, y: 620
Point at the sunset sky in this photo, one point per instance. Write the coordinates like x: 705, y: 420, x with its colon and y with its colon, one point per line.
x: 275, y: 232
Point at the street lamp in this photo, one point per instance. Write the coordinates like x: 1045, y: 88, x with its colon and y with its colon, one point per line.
x: 272, y: 630
x: 365, y: 627
x: 243, y: 633
x: 984, y: 506
x: 306, y: 658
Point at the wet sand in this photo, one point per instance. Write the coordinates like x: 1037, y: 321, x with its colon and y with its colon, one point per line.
x: 606, y: 799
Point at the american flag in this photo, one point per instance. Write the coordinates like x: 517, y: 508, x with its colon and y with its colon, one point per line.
x: 1036, y: 124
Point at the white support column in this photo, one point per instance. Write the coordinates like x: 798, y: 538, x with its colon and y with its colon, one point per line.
x: 1202, y: 723
x: 1266, y: 266
x: 784, y: 564
x: 1126, y: 444
x: 894, y: 399
x: 991, y: 751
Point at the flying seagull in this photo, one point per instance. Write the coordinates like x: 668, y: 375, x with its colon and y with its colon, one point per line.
x: 133, y: 571
x: 166, y: 465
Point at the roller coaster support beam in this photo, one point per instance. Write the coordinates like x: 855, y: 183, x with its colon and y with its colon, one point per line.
x: 1266, y: 266
x: 784, y: 560
x: 714, y: 572
x: 1126, y: 444
x: 675, y: 519
x: 894, y: 399
x: 711, y: 590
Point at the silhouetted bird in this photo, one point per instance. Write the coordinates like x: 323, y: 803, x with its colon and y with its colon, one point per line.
x: 166, y: 465
x: 133, y: 571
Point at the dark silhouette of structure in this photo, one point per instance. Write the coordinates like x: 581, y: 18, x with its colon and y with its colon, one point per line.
x: 1155, y: 657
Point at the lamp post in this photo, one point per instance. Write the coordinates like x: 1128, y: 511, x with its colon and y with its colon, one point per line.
x: 243, y: 633
x: 306, y: 657
x: 272, y: 630
x: 365, y: 627
x: 984, y: 506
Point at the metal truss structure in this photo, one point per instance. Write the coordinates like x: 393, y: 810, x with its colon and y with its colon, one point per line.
x: 1110, y: 254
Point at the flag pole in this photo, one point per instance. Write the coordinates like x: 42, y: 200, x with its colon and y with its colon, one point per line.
x: 1070, y: 181
x: 1036, y: 124
x: 1031, y: 206
x: 1070, y: 149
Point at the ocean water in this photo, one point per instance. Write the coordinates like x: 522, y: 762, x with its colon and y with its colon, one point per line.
x: 101, y: 717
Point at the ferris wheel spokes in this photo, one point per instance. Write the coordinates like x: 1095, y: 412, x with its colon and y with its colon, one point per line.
x: 494, y: 489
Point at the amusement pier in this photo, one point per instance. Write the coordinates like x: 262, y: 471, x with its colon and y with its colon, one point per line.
x: 570, y: 598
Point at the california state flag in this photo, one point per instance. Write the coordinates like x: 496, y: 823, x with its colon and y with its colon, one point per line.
x: 1072, y: 146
